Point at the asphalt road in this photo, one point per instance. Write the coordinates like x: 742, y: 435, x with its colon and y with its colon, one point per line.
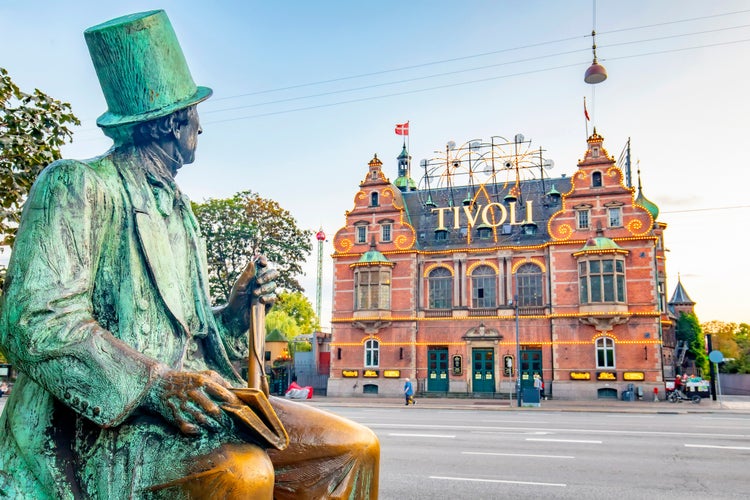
x: 648, y: 451
x: 431, y: 453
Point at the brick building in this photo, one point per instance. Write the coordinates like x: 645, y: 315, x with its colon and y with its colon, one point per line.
x: 453, y: 281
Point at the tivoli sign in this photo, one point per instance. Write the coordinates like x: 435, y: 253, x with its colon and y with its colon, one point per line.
x: 493, y: 215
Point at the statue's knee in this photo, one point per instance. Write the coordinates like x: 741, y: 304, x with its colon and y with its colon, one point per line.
x: 250, y: 469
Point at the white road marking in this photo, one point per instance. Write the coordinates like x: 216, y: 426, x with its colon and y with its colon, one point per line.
x: 718, y: 447
x: 514, y: 454
x: 504, y: 481
x: 449, y: 436
x: 564, y: 440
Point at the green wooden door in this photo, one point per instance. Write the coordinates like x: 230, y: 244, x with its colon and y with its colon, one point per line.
x: 437, y: 369
x: 531, y: 363
x: 483, y: 370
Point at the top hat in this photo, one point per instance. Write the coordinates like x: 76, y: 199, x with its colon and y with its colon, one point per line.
x: 141, y: 69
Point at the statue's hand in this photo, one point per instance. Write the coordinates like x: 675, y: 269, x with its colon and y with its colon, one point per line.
x: 191, y: 400
x: 254, y: 284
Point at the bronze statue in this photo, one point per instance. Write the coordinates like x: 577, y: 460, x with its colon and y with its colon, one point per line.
x: 126, y: 385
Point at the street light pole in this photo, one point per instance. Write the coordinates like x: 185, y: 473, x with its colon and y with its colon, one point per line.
x: 518, y: 350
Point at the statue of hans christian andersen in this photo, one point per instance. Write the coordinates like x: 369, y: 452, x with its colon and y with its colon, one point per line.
x: 126, y: 386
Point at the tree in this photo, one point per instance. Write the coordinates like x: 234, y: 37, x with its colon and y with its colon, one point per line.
x: 689, y: 330
x: 733, y: 341
x: 238, y: 227
x: 33, y: 127
x: 299, y: 308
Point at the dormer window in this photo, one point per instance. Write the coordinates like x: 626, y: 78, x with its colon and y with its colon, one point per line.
x: 374, y: 202
x: 595, y: 152
x: 596, y: 179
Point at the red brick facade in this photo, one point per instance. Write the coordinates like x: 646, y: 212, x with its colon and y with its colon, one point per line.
x: 586, y: 266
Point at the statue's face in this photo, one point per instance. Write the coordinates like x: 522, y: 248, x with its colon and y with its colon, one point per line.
x: 187, y: 139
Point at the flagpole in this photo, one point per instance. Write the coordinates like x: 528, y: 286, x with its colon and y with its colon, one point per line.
x: 586, y: 117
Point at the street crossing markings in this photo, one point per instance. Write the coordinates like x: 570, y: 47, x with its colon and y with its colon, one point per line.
x: 718, y: 447
x: 514, y: 454
x: 564, y: 440
x: 503, y: 481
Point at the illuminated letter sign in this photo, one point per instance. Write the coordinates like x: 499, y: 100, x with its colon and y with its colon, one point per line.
x: 633, y: 376
x: 370, y: 374
x: 606, y: 376
x: 392, y: 373
x: 580, y: 376
x: 350, y: 373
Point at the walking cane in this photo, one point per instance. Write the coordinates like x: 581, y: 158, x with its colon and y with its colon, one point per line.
x: 256, y: 376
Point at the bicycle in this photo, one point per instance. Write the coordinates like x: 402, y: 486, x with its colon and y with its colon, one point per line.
x: 678, y: 396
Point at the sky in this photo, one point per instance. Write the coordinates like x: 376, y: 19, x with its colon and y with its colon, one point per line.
x: 306, y: 92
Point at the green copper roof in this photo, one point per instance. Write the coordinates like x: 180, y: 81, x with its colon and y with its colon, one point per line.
x: 404, y: 154
x: 647, y: 204
x: 405, y: 182
x: 600, y: 244
x: 372, y: 258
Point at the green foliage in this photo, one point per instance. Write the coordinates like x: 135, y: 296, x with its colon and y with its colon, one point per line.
x: 733, y: 341
x: 281, y: 321
x: 689, y: 329
x: 238, y: 227
x: 297, y: 306
x: 33, y: 127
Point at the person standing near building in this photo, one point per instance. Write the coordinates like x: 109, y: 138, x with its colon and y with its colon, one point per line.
x: 409, y: 392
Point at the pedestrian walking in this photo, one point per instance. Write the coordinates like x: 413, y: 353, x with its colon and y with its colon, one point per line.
x: 409, y: 392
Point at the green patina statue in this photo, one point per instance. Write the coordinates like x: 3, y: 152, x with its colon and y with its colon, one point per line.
x: 127, y: 387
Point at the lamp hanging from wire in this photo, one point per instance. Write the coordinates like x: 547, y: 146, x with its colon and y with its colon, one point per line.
x: 596, y: 73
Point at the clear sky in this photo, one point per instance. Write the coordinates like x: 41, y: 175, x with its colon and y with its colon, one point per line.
x: 305, y: 92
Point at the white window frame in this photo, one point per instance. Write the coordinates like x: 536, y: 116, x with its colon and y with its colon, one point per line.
x: 372, y: 353
x: 605, y: 345
x: 583, y: 216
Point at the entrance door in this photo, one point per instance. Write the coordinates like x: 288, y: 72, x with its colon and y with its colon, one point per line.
x: 483, y: 370
x: 531, y: 363
x: 437, y: 369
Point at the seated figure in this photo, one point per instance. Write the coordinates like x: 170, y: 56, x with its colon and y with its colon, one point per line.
x: 127, y: 384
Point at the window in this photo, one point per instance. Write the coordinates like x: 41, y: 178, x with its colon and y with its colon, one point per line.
x: 596, y: 179
x: 440, y: 284
x: 582, y: 217
x: 605, y: 352
x: 372, y: 353
x: 483, y: 287
x: 614, y: 215
x: 441, y: 234
x: 602, y: 280
x: 529, y: 278
x: 374, y: 200
x: 385, y: 231
x: 361, y: 233
x: 372, y: 288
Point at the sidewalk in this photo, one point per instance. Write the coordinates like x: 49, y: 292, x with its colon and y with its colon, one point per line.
x: 730, y: 404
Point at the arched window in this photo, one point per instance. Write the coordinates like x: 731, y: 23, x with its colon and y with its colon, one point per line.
x: 372, y: 353
x: 605, y: 352
x: 530, y: 291
x: 440, y: 284
x: 374, y: 199
x: 596, y: 179
x: 483, y: 287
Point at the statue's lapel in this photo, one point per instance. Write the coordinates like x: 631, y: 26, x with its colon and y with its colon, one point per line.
x: 152, y: 236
